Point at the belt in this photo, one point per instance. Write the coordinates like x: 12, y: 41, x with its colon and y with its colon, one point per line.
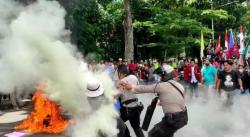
x: 129, y: 101
x: 176, y: 113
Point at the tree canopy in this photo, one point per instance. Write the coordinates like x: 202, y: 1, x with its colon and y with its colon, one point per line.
x: 162, y: 28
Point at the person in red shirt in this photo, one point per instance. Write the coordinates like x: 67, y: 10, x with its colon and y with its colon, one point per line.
x: 132, y: 67
x: 175, y: 73
x: 216, y: 63
x: 194, y: 76
x: 186, y: 71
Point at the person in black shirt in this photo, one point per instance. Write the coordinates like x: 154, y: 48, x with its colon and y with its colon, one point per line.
x: 245, y: 77
x: 228, y: 81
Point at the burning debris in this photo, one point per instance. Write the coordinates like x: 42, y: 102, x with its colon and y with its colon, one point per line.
x: 45, y: 117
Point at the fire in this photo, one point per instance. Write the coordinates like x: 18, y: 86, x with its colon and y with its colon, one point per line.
x: 45, y: 117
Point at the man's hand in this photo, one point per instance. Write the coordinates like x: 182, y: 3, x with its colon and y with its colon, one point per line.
x: 124, y: 85
x: 120, y: 85
x: 241, y: 89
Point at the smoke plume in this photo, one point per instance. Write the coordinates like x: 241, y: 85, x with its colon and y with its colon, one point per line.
x: 213, y: 117
x: 34, y: 48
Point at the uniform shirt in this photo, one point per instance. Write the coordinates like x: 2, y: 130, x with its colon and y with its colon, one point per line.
x: 170, y: 98
x: 209, y: 73
x: 126, y: 95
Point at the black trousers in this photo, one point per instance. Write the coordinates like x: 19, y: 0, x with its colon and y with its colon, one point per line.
x: 133, y: 116
x: 123, y: 129
x: 169, y: 125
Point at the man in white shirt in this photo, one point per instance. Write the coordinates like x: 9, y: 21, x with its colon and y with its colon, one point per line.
x: 131, y: 108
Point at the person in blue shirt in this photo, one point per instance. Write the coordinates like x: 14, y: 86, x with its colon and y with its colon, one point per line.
x: 209, y: 75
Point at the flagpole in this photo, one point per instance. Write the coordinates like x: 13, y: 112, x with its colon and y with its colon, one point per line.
x: 212, y: 23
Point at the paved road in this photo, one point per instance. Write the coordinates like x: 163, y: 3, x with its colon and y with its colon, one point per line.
x: 10, y: 118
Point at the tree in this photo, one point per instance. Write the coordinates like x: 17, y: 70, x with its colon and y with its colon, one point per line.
x: 172, y: 27
x: 128, y: 30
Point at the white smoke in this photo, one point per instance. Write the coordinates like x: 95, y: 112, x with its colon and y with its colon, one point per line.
x: 34, y: 47
x: 213, y: 118
x: 209, y: 117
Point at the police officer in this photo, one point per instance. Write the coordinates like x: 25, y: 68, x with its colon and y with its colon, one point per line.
x: 131, y: 108
x: 172, y: 101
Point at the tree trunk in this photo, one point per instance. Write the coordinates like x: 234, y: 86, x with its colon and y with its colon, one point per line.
x: 128, y: 29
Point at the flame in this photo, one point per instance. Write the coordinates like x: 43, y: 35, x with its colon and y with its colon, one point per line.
x: 45, y: 117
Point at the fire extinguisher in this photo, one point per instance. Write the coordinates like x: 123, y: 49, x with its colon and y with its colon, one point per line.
x: 149, y: 113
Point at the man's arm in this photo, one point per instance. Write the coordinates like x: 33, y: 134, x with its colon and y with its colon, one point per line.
x: 240, y: 82
x: 145, y: 88
x: 215, y: 76
x: 137, y: 88
x: 202, y: 76
x: 241, y: 85
x: 218, y: 82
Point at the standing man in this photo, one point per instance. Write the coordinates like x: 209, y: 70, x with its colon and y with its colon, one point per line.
x: 194, y: 77
x: 245, y: 77
x: 209, y: 75
x: 172, y: 101
x: 131, y: 108
x: 228, y: 81
x: 185, y: 69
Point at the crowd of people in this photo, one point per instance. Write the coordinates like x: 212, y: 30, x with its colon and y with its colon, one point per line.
x: 212, y: 74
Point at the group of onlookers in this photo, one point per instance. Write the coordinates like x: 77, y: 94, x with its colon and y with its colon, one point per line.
x: 226, y: 77
x: 213, y: 74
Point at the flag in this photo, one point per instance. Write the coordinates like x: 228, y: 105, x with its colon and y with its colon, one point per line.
x: 202, y: 46
x: 231, y: 40
x: 235, y: 50
x: 227, y: 46
x: 242, y: 45
x: 241, y: 35
x: 226, y: 41
x: 218, y: 46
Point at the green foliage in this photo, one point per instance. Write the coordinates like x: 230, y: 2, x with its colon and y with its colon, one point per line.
x: 215, y: 14
x: 246, y: 20
x: 161, y: 27
x: 172, y: 29
x: 84, y: 23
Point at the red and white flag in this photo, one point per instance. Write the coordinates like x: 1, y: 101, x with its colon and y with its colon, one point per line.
x: 241, y: 36
x: 227, y: 51
x: 242, y: 45
x: 235, y: 51
x: 218, y: 46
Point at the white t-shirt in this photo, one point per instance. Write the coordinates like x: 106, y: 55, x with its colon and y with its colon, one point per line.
x: 193, y: 79
x: 127, y: 95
